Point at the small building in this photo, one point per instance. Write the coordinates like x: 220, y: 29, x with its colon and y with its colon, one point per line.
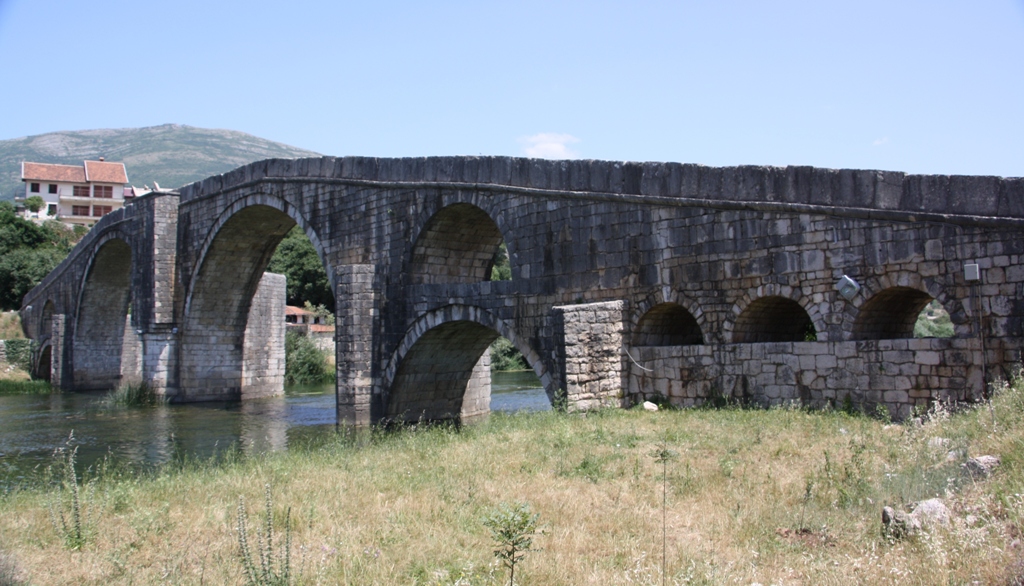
x: 76, y: 194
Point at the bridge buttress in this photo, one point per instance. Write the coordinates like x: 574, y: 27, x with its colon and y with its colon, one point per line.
x: 590, y: 345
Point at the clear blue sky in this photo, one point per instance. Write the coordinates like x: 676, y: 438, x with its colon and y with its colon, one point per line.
x: 919, y: 86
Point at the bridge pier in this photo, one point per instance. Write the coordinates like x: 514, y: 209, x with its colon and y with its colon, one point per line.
x: 354, y: 316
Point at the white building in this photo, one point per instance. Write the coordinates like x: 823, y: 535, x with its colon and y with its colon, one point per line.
x: 76, y: 194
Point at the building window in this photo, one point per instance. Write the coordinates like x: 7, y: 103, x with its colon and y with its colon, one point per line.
x: 53, y: 188
x: 80, y: 191
x: 51, y: 210
x: 79, y: 210
x: 98, y: 211
x: 106, y: 191
x: 33, y: 187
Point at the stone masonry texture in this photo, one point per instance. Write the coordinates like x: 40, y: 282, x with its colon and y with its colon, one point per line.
x: 629, y: 281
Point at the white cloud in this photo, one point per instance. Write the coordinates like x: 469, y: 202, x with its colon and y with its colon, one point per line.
x: 880, y: 141
x: 549, y: 145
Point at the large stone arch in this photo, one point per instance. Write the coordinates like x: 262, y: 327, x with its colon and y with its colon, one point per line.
x: 101, y: 317
x: 773, y: 308
x: 455, y: 243
x: 456, y: 337
x: 220, y: 292
x: 907, y: 282
x: 671, y: 316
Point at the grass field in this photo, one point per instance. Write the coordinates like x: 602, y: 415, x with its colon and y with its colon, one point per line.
x: 784, y: 496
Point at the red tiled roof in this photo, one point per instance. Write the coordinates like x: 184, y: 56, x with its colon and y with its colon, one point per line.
x: 320, y: 328
x: 292, y: 310
x: 104, y: 172
x: 48, y: 172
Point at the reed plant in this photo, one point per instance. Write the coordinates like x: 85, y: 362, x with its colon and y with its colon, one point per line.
x: 269, y: 567
x: 65, y: 505
x: 133, y: 394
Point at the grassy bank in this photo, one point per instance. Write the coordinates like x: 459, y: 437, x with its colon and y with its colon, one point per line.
x: 780, y: 496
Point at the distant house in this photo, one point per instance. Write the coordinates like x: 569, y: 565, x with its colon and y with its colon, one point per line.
x: 76, y: 194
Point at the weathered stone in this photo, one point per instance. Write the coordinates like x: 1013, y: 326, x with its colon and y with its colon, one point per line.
x: 981, y: 467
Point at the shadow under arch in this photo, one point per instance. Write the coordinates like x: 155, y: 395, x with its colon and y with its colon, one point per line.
x: 667, y: 324
x: 457, y: 244
x: 218, y: 302
x: 773, y: 318
x: 438, y: 371
x: 44, y: 364
x: 102, y: 317
x: 890, y: 314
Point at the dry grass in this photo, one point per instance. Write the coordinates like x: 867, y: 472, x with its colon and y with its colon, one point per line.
x: 780, y: 496
x: 10, y: 326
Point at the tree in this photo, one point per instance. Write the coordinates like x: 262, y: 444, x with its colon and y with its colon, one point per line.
x: 34, y: 203
x: 28, y: 252
x: 297, y: 260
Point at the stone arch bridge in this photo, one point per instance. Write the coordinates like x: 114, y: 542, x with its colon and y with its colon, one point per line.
x: 629, y: 281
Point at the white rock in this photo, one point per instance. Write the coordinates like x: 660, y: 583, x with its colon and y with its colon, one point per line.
x: 981, y: 467
x: 648, y: 406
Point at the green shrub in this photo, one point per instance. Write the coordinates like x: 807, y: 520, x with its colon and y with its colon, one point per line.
x: 19, y: 353
x: 304, y: 363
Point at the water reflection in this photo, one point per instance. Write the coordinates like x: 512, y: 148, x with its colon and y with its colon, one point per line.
x: 33, y: 426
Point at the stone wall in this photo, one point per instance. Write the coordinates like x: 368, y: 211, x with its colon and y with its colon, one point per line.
x: 900, y: 375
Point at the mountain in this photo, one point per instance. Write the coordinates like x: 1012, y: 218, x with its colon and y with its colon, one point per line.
x: 171, y: 155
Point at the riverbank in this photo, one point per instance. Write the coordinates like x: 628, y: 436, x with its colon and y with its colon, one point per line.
x: 779, y: 496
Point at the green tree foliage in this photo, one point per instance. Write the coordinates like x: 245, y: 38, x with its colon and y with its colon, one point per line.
x: 505, y: 356
x: 34, y: 203
x: 933, y: 322
x: 501, y: 270
x: 296, y: 259
x: 28, y: 252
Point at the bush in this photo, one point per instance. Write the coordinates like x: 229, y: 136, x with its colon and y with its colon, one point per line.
x: 19, y: 353
x: 304, y: 363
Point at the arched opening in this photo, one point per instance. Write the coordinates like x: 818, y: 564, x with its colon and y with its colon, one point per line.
x: 773, y: 319
x: 893, y: 313
x: 46, y: 323
x: 934, y: 322
x: 514, y: 385
x: 232, y: 341
x: 102, y: 315
x: 43, y: 367
x: 459, y: 244
x: 446, y: 375
x: 667, y: 324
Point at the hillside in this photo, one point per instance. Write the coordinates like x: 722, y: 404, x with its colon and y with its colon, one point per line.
x: 171, y: 155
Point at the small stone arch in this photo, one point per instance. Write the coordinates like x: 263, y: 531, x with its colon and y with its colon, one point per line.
x: 102, y: 310
x: 894, y: 294
x: 667, y: 320
x: 456, y: 244
x: 456, y: 336
x: 774, y: 313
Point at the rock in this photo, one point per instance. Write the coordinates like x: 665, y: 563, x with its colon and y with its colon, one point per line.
x: 648, y: 406
x: 938, y: 443
x: 930, y: 513
x: 981, y: 467
x: 926, y: 515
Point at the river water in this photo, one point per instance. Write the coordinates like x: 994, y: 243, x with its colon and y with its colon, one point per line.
x: 33, y: 426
